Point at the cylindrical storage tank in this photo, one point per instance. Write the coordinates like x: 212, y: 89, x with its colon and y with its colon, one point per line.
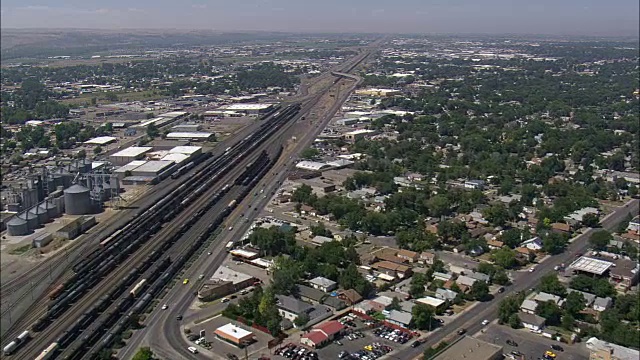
x: 52, y: 209
x: 84, y: 166
x: 40, y: 214
x: 106, y: 191
x: 17, y: 227
x: 57, y: 180
x: 32, y: 220
x: 59, y: 203
x: 77, y: 200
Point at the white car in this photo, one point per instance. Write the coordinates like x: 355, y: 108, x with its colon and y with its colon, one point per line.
x: 224, y: 300
x: 485, y: 322
x: 165, y: 307
x: 532, y: 269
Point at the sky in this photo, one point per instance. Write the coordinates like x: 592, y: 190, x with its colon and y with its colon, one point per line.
x: 552, y: 17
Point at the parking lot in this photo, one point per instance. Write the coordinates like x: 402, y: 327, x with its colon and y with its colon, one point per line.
x: 531, y: 345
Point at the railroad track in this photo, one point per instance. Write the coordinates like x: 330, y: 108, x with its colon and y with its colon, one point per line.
x: 50, y: 333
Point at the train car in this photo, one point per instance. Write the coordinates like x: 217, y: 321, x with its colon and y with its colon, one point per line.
x: 232, y: 203
x: 53, y: 294
x: 15, y: 344
x: 110, y: 238
x: 48, y: 353
x: 138, y: 288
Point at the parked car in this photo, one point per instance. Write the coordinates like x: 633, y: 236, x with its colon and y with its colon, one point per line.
x: 511, y: 342
x: 462, y: 331
x: 557, y: 347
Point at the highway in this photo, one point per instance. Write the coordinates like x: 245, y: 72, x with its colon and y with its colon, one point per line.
x: 162, y: 331
x: 523, y: 281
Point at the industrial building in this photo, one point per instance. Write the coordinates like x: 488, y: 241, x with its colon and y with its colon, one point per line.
x: 235, y: 335
x: 153, y: 168
x: 602, y: 350
x: 122, y: 171
x: 471, y: 348
x: 101, y: 140
x: 186, y: 127
x: 195, y: 136
x: 378, y: 92
x: 77, y: 200
x: 355, y: 135
x: 129, y: 154
x: 73, y: 229
x: 191, y: 151
x: 253, y: 108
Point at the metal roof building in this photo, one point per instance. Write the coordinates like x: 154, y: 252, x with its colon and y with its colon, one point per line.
x: 591, y: 265
x: 129, y: 154
x: 101, y: 140
x: 176, y: 158
x: 472, y: 349
x: 190, y: 135
x: 312, y: 165
x: 234, y: 334
x: 152, y: 168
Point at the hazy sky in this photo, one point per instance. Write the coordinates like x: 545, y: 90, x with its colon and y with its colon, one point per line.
x: 588, y: 17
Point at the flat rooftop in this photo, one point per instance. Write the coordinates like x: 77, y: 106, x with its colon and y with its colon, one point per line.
x: 130, y: 166
x: 189, y: 135
x: 188, y: 150
x: 470, y: 348
x: 234, y: 331
x: 252, y: 106
x: 133, y: 151
x: 154, y: 166
x: 101, y: 140
x: 226, y: 274
x: 591, y: 265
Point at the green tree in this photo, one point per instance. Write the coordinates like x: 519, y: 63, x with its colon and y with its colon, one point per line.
x: 568, y: 322
x: 500, y: 277
x: 395, y: 304
x: 439, y: 205
x: 144, y: 353
x: 97, y: 150
x: 550, y: 311
x: 504, y: 257
x: 422, y: 316
x: 479, y: 291
x: 600, y: 239
x: 496, y: 214
x: 590, y: 220
x: 554, y: 243
x: 301, y: 320
x: 514, y: 321
x: 574, y: 303
x: 550, y: 284
x: 416, y: 287
x: 152, y: 131
x: 309, y: 153
x: 509, y: 306
x: 286, y: 274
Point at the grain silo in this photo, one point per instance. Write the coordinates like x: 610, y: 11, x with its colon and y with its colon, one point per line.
x: 17, y: 227
x: 32, y: 220
x: 77, y: 200
x: 40, y: 214
x: 52, y: 210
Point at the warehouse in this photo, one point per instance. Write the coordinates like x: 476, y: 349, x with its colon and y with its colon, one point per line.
x: 176, y: 158
x: 201, y: 136
x: 312, y: 165
x: 187, y: 127
x: 129, y: 154
x: 471, y: 348
x: 153, y: 168
x: 101, y: 140
x: 225, y: 281
x: 235, y: 335
x: 356, y: 135
x: 122, y: 171
x: 191, y: 151
x: 249, y: 108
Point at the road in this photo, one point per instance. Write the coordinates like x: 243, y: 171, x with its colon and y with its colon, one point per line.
x: 162, y: 332
x: 471, y: 321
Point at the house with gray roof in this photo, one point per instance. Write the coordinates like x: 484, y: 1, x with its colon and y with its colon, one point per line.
x: 602, y: 304
x: 544, y: 297
x: 310, y: 294
x: 442, y: 276
x: 334, y: 303
x: 400, y: 318
x: 588, y: 297
x: 529, y: 306
x: 531, y: 321
x: 479, y: 276
x: 323, y: 284
x: 465, y: 280
x: 446, y: 294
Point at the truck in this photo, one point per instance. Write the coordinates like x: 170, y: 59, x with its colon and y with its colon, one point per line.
x: 229, y: 246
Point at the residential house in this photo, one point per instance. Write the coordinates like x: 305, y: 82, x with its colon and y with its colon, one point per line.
x: 410, y: 256
x: 400, y: 318
x: 446, y: 295
x: 442, y: 276
x: 382, y: 302
x: 602, y: 304
x: 531, y: 321
x: 479, y: 276
x: 319, y: 240
x: 311, y: 295
x: 323, y: 284
x: 474, y: 184
x: 561, y: 228
x: 392, y: 269
x: 534, y: 244
x: 634, y: 225
x: 459, y: 270
x: 349, y: 296
x: 544, y: 297
x: 290, y: 308
x: 334, y: 303
x: 495, y: 244
x: 322, y: 334
x: 529, y: 306
x: 463, y: 280
x: 366, y: 307
x: 588, y: 297
x: 427, y: 258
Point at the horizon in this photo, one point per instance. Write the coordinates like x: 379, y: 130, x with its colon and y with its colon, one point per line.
x: 589, y: 18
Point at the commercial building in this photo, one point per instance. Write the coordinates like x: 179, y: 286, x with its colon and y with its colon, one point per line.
x: 590, y: 266
x: 249, y: 108
x: 191, y: 151
x: 436, y: 303
x: 625, y: 272
x: 471, y: 348
x: 153, y: 168
x: 378, y: 92
x: 318, y: 186
x: 194, y: 136
x: 602, y: 350
x: 223, y: 282
x: 129, y: 154
x: 355, y: 135
x: 235, y: 335
x: 178, y: 159
x: 322, y: 334
x: 101, y: 140
x: 312, y: 165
